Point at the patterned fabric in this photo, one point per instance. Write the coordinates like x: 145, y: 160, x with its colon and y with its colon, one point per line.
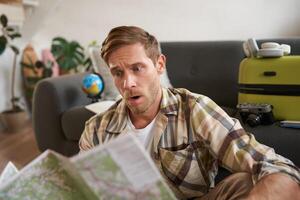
x: 193, y: 136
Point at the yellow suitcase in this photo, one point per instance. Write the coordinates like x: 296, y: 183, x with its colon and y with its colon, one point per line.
x: 274, y: 81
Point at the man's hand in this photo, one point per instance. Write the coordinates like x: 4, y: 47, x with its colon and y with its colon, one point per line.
x: 275, y: 186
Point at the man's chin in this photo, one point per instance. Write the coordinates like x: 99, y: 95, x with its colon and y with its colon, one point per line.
x: 136, y: 110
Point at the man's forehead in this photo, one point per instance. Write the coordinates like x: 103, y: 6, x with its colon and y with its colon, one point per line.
x: 127, y: 49
x: 127, y: 56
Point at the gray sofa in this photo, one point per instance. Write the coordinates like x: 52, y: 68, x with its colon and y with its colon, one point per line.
x: 209, y: 68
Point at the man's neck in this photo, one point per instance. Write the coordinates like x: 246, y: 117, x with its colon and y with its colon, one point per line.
x: 141, y: 120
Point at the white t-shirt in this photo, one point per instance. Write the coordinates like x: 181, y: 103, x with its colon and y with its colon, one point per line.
x: 143, y: 134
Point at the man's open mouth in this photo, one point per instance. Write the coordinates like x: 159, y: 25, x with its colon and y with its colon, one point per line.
x: 134, y: 97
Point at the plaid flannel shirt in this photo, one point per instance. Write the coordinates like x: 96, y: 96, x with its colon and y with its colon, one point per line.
x: 192, y: 136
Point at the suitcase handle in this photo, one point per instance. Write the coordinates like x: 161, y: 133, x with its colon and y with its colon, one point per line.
x: 269, y: 73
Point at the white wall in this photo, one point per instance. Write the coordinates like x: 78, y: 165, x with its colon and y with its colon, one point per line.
x: 169, y: 20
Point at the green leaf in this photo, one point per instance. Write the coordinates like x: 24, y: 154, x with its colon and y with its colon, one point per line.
x: 87, y: 62
x: 31, y: 81
x: 79, y: 54
x: 88, y: 68
x: 10, y: 29
x: 49, y: 64
x: 78, y: 59
x: 15, y: 49
x: 3, y: 42
x: 67, y: 54
x: 47, y: 73
x: 56, y: 51
x: 72, y: 64
x: 27, y: 65
x: 63, y: 63
x: 76, y: 45
x: 3, y: 20
x: 15, y: 35
x: 68, y: 64
x: 57, y: 45
x: 60, y: 39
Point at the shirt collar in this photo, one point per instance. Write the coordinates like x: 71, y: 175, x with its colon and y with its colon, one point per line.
x: 169, y: 103
x: 118, y: 121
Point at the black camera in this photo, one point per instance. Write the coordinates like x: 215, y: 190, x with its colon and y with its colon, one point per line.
x: 256, y: 114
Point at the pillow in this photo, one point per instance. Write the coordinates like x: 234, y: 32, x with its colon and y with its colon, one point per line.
x: 110, y: 91
x: 99, y: 107
x: 164, y: 80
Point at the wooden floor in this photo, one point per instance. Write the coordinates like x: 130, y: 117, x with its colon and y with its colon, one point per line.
x: 19, y: 147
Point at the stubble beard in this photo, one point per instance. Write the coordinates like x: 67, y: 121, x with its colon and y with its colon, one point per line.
x: 143, y: 108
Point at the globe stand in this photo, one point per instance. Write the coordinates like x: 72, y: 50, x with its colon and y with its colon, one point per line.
x: 96, y: 98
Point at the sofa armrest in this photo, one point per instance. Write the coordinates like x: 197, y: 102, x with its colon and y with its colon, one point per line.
x: 52, y: 97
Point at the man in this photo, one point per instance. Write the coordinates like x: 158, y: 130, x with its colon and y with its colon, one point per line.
x: 187, y: 134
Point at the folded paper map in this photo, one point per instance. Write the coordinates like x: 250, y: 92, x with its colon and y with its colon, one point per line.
x: 120, y: 169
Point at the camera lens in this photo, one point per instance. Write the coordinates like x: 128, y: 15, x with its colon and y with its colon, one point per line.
x: 253, y: 120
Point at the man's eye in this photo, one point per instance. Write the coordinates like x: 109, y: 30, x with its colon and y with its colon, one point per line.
x: 117, y: 73
x: 136, y: 68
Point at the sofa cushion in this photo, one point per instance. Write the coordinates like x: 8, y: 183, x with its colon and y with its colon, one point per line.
x: 73, y: 121
x: 283, y: 140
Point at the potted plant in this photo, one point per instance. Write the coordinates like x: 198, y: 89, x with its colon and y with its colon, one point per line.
x: 15, y: 117
x: 68, y: 55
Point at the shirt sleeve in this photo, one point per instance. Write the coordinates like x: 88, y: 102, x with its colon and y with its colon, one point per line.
x: 86, y: 139
x: 233, y: 147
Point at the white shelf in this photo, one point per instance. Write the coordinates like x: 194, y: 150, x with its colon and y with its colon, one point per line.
x: 33, y: 3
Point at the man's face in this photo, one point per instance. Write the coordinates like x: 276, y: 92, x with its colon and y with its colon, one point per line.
x: 137, y: 77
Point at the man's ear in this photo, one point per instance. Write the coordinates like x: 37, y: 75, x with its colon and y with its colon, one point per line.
x: 161, y: 63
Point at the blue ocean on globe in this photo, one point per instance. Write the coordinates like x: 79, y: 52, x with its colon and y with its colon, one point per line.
x: 92, y: 84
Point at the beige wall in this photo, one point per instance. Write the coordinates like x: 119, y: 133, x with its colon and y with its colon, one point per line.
x: 169, y: 20
x: 175, y: 19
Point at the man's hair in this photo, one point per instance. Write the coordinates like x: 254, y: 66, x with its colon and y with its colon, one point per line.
x: 127, y: 35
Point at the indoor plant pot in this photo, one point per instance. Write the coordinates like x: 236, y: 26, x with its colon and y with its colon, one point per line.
x: 13, y: 120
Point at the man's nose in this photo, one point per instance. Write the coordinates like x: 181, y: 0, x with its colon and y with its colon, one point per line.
x: 129, y: 82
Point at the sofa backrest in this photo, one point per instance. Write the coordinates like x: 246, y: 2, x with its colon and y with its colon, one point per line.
x: 208, y: 67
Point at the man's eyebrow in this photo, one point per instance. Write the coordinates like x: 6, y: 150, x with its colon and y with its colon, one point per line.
x: 114, y: 68
x: 137, y: 63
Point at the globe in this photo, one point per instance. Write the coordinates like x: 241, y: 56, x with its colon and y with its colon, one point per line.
x: 93, y: 85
